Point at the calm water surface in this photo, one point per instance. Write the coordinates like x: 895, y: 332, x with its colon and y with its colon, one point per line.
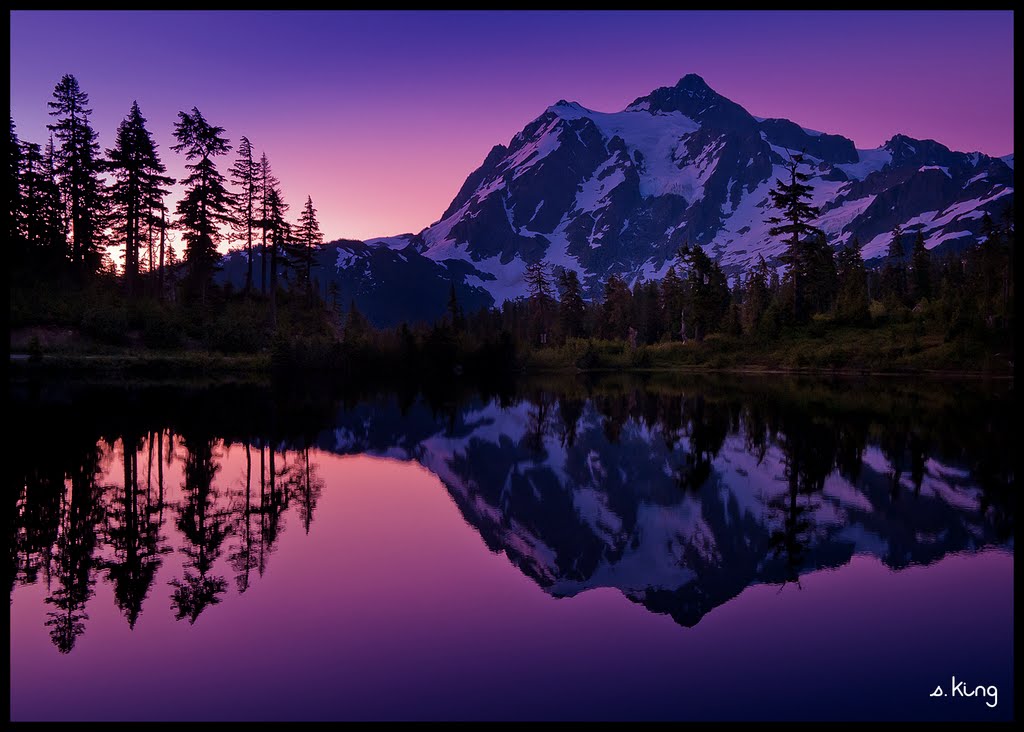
x: 711, y: 549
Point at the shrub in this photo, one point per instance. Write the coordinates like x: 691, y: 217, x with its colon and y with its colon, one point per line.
x: 106, y: 324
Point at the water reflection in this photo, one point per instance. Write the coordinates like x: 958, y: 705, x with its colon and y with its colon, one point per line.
x: 678, y: 496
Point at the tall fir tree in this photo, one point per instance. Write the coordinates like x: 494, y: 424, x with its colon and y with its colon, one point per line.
x: 40, y: 222
x: 793, y: 224
x: 706, y: 291
x: 307, y: 241
x: 541, y: 300
x: 266, y: 183
x: 78, y: 168
x: 894, y: 271
x: 615, y: 310
x: 138, y: 188
x: 672, y: 303
x: 207, y: 204
x: 456, y: 317
x: 279, y: 233
x: 921, y: 269
x: 820, y: 270
x: 757, y: 295
x: 245, y: 175
x: 53, y: 213
x: 14, y: 188
x: 571, y: 306
x: 852, y: 276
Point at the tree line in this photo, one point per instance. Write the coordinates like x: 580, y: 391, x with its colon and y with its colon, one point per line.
x: 70, y: 201
x: 695, y: 299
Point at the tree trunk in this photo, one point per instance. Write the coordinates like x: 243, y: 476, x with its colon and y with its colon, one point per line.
x: 248, y: 248
x: 273, y: 283
x: 163, y: 232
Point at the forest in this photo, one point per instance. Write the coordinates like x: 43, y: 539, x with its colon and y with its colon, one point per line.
x: 96, y: 279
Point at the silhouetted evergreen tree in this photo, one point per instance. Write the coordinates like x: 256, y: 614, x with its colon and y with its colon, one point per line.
x: 41, y: 232
x: 206, y: 204
x: 245, y: 174
x: 307, y: 240
x: 455, y: 315
x: 615, y: 310
x: 541, y: 301
x: 280, y: 237
x: 852, y: 296
x: 706, y: 291
x: 756, y: 295
x: 821, y: 277
x: 921, y: 266
x: 894, y: 271
x: 793, y: 224
x: 647, y: 311
x: 137, y: 190
x: 571, y: 306
x: 14, y: 184
x: 672, y: 303
x: 77, y: 163
x: 357, y: 328
x: 267, y: 183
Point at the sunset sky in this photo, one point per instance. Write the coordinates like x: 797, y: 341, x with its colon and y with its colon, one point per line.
x: 380, y: 116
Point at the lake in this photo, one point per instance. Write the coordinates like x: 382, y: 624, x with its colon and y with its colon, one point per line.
x: 623, y: 548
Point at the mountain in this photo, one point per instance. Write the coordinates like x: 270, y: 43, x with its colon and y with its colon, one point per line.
x: 389, y: 283
x: 619, y: 192
x: 674, y: 501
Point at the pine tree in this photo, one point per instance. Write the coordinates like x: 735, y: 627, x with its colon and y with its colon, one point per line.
x: 793, y: 224
x: 455, y: 314
x: 921, y: 266
x: 36, y: 192
x: 206, y: 204
x: 852, y: 296
x: 356, y: 326
x: 706, y: 291
x: 307, y: 240
x: 894, y: 271
x: 615, y: 310
x: 137, y: 190
x: 280, y: 243
x: 266, y: 183
x: 14, y: 186
x: 541, y: 300
x: 78, y: 169
x: 757, y: 295
x: 820, y: 268
x: 647, y: 310
x: 53, y: 213
x: 571, y: 307
x: 672, y: 303
x: 245, y: 174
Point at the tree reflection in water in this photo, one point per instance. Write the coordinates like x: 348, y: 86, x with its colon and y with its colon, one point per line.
x: 680, y: 496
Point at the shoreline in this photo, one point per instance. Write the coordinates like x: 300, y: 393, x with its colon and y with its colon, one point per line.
x: 205, y: 363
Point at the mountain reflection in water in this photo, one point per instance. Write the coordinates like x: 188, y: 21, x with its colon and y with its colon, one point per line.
x: 679, y: 497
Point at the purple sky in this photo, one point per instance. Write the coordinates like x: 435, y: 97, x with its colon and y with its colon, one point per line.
x: 380, y: 116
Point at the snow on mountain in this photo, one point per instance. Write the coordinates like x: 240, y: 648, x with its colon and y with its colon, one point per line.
x: 619, y: 192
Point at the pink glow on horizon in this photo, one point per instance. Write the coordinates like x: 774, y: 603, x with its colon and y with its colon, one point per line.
x: 380, y: 116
